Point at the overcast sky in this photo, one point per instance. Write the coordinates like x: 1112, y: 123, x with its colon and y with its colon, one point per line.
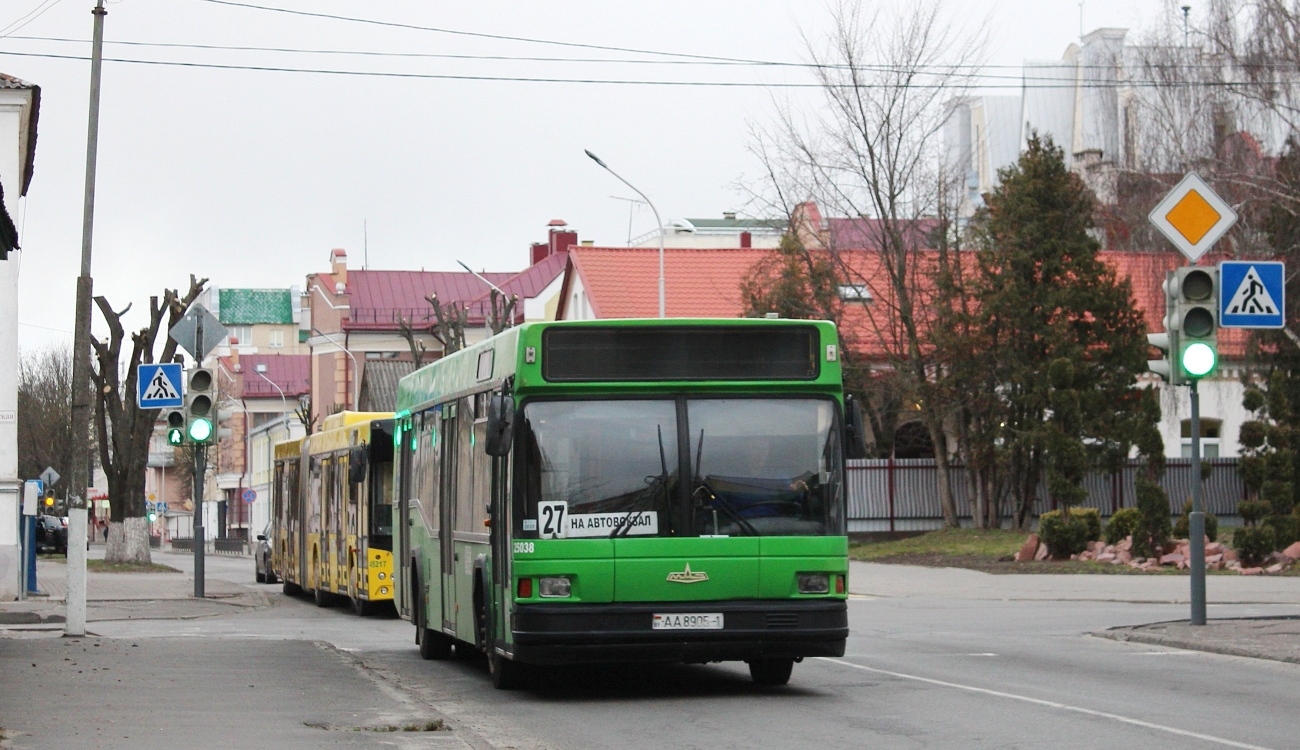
x: 250, y: 177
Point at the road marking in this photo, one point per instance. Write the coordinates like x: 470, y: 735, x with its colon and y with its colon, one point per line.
x: 1050, y: 704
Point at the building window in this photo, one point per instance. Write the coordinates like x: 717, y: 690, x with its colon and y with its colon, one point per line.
x: 1209, y: 438
x: 277, y: 338
x: 855, y: 293
x: 241, y: 335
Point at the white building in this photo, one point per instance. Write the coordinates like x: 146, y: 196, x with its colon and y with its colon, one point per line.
x: 19, y: 108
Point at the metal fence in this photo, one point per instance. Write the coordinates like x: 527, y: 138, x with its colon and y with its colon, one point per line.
x: 903, y: 494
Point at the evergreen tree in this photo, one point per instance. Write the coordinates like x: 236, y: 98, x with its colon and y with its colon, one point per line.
x: 1042, y: 296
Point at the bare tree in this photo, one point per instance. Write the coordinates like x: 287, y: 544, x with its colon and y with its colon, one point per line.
x: 124, y: 429
x: 44, y: 410
x: 875, y: 152
x: 409, y: 332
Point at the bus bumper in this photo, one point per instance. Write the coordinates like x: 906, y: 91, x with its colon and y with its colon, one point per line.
x: 588, y: 633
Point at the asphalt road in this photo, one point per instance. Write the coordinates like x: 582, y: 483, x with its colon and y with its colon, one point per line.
x: 961, y: 670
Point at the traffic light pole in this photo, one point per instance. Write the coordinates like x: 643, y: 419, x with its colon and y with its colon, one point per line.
x: 1196, y: 523
x: 200, y: 463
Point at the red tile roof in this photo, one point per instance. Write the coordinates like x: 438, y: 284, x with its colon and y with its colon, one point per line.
x: 623, y: 283
x: 377, y: 298
x: 526, y: 284
x: 292, y: 372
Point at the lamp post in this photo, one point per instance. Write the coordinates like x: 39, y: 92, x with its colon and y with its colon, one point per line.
x: 260, y: 369
x: 356, y: 370
x: 657, y: 221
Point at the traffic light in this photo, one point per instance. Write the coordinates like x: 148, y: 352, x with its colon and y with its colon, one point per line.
x: 49, y: 501
x: 200, y: 398
x: 176, y: 427
x: 1196, y: 298
x: 153, y: 515
x: 1167, y: 342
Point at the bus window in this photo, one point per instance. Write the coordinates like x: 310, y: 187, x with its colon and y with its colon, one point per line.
x: 467, y: 472
x: 765, y: 466
x: 427, y: 467
x: 314, y: 496
x: 605, y: 460
x: 379, y: 503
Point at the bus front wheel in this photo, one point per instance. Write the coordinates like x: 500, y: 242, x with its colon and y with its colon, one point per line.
x: 771, y: 672
x: 506, y: 673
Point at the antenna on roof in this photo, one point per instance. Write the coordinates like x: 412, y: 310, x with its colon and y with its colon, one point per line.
x: 365, y: 245
x: 631, y: 208
x: 480, y: 278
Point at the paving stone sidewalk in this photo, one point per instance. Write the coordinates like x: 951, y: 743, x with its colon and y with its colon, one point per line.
x: 125, y: 596
x: 1276, y: 638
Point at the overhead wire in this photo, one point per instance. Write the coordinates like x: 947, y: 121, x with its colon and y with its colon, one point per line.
x: 32, y: 15
x: 1024, y: 82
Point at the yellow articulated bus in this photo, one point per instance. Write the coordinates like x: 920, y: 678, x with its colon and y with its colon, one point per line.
x: 332, y: 512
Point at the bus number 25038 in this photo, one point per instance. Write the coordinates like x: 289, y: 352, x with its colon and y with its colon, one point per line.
x: 523, y: 548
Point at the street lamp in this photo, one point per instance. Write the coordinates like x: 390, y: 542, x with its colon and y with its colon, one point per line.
x: 260, y: 369
x: 657, y: 221
x: 356, y: 369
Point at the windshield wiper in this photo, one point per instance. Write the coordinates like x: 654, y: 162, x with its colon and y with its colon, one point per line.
x: 625, y: 524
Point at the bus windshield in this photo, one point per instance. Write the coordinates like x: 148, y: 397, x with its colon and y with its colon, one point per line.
x: 609, y: 468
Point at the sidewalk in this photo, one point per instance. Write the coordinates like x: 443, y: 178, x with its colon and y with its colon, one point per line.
x: 1276, y: 638
x: 124, y: 596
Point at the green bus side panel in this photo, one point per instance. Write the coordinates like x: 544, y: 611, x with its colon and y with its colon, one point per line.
x: 458, y: 372
x: 592, y: 579
x: 803, y: 546
x: 656, y: 569
x: 776, y: 575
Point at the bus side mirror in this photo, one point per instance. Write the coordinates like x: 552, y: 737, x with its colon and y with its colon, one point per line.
x: 357, y: 466
x: 500, y: 425
x: 855, y: 433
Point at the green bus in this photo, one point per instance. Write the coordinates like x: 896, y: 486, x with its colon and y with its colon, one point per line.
x: 628, y: 490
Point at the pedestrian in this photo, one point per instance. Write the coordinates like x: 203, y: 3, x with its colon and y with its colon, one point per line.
x: 105, y: 532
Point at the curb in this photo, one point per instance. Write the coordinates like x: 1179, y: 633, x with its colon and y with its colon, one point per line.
x: 1187, y: 645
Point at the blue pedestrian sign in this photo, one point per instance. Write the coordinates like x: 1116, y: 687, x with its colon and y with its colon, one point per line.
x: 1252, y: 294
x: 159, y: 386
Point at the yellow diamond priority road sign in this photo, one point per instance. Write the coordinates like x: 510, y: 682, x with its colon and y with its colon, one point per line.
x: 1193, y: 217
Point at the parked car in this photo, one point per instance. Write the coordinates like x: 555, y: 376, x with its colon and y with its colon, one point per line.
x: 52, y: 534
x: 262, y: 561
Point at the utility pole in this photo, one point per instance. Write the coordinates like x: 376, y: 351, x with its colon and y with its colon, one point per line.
x: 80, y: 480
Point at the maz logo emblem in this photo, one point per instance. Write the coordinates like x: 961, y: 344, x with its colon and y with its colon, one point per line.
x: 687, y: 576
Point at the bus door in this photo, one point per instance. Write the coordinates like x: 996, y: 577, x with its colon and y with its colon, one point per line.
x: 311, y: 541
x: 354, y: 536
x: 404, y: 449
x: 447, y: 522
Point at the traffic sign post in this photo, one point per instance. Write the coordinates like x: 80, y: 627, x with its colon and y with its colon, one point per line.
x: 1194, y: 217
x: 1252, y: 294
x: 158, y: 386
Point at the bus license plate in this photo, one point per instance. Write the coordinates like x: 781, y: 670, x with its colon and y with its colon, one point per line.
x: 694, y: 621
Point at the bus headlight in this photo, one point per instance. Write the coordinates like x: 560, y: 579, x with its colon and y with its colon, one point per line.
x: 813, y: 583
x: 554, y: 588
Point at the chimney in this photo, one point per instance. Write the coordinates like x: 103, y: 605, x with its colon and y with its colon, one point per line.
x: 339, y: 265
x: 558, y: 240
x: 746, y: 239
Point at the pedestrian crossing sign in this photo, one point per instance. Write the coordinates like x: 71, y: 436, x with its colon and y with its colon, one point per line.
x: 1252, y: 294
x: 159, y: 385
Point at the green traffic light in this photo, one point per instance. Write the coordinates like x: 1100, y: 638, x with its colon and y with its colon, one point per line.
x: 175, y: 436
x: 152, y: 516
x: 1198, y: 359
x: 200, y: 430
